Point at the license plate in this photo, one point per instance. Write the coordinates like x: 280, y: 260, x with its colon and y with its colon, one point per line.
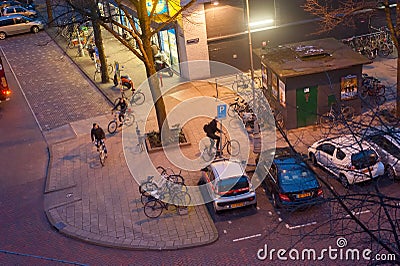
x: 236, y: 205
x: 303, y: 195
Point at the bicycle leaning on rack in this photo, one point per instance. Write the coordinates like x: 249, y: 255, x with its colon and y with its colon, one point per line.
x: 97, y: 72
x: 243, y: 83
x: 335, y: 115
x: 127, y: 120
x: 232, y: 147
x: 372, y: 88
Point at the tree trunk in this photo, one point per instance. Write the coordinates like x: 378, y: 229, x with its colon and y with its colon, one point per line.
x: 49, y: 13
x: 98, y: 39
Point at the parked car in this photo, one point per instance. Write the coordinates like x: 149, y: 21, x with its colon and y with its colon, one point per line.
x: 291, y: 182
x: 228, y: 185
x: 5, y: 92
x: 4, y: 4
x: 15, y: 24
x: 386, y: 142
x: 349, y: 158
x: 10, y: 10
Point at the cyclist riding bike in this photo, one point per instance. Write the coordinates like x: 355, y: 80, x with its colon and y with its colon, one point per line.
x: 210, y: 129
x: 123, y: 106
x: 98, y: 137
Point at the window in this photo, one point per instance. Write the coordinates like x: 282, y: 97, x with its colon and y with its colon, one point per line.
x: 364, y: 159
x: 6, y: 22
x: 19, y: 20
x: 327, y: 148
x: 385, y: 144
x: 19, y: 9
x: 340, y: 154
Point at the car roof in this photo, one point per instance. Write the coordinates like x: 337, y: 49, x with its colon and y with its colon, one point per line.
x: 225, y: 169
x: 347, y: 143
x: 14, y: 7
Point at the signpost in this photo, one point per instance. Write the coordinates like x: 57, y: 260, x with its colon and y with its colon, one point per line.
x: 221, y: 114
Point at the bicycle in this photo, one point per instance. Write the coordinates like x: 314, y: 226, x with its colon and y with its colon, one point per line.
x: 232, y: 146
x: 101, y: 149
x: 237, y: 107
x: 335, y: 115
x: 127, y: 120
x: 372, y: 88
x: 97, y: 72
x: 137, y: 97
x: 155, y: 206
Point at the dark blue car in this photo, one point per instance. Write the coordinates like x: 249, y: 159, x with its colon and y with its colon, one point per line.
x: 291, y: 182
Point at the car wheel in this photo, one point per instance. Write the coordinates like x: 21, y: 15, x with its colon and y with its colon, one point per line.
x: 390, y: 173
x: 343, y: 180
x: 35, y: 29
x: 313, y: 159
x: 2, y: 35
x: 275, y: 200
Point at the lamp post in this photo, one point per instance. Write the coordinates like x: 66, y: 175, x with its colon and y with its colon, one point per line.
x: 251, y: 54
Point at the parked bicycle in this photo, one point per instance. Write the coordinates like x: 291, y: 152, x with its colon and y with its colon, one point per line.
x: 97, y: 72
x: 156, y: 204
x: 232, y: 147
x: 128, y: 120
x: 243, y: 83
x: 238, y: 107
x: 335, y: 115
x: 372, y: 88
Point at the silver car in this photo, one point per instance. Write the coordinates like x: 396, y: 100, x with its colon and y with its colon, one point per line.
x: 16, y: 24
x: 12, y: 10
x: 386, y: 142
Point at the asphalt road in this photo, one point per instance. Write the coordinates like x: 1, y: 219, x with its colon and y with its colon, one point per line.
x: 28, y: 239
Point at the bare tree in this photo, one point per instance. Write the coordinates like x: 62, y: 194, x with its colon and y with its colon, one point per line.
x: 334, y: 13
x: 150, y: 23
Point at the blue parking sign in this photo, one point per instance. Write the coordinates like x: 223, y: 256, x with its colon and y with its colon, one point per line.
x: 221, y: 111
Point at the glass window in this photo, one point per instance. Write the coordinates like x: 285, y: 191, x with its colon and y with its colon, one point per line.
x: 234, y: 183
x: 19, y: 9
x: 340, y: 154
x: 327, y: 148
x: 385, y: 144
x: 363, y: 159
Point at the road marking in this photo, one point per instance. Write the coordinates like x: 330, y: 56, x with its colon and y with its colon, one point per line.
x: 225, y: 232
x: 280, y: 219
x: 299, y: 226
x: 244, y: 238
x: 270, y: 213
x: 229, y: 222
x: 357, y: 213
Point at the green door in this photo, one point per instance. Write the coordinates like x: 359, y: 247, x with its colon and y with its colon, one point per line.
x: 306, y: 104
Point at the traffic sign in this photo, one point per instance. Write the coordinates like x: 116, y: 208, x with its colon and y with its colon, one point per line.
x: 221, y: 111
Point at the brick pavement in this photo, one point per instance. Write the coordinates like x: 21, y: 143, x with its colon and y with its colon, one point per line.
x: 102, y: 205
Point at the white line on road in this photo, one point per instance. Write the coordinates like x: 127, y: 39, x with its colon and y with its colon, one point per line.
x: 357, y: 213
x: 244, y: 238
x: 299, y: 226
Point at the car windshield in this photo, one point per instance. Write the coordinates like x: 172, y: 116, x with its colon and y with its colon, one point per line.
x: 233, y: 183
x: 385, y: 144
x: 296, y: 177
x: 364, y: 159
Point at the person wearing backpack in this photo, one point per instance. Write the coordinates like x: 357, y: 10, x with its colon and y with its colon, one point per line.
x: 210, y: 129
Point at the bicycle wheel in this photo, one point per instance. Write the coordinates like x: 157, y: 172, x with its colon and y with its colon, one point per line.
x: 208, y: 155
x: 153, y: 208
x: 110, y: 69
x: 233, y: 147
x: 257, y: 82
x: 129, y: 119
x: 176, y: 178
x: 348, y: 113
x: 147, y: 187
x: 112, y: 127
x: 181, y: 199
x: 380, y: 89
x: 145, y: 198
x: 102, y: 157
x: 364, y: 92
x: 379, y: 99
x: 327, y: 120
x: 243, y: 85
x: 138, y: 98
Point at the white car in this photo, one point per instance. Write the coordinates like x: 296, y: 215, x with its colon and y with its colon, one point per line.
x: 349, y: 159
x: 228, y: 186
x: 386, y: 142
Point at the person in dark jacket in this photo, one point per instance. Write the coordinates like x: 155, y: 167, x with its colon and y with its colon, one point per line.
x: 123, y: 106
x: 210, y: 129
x: 98, y: 137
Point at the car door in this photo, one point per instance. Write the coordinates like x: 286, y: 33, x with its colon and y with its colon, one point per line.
x: 337, y: 163
x: 324, y: 153
x: 21, y: 25
x: 271, y: 179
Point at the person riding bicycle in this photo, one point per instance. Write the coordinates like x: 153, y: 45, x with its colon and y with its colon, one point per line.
x: 210, y: 129
x: 123, y: 106
x: 98, y: 137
